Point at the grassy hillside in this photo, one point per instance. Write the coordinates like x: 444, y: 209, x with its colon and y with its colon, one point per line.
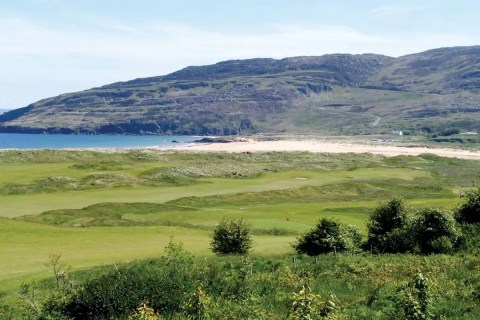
x: 425, y: 93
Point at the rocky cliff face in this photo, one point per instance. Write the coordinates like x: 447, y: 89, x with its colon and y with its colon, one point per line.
x: 336, y: 94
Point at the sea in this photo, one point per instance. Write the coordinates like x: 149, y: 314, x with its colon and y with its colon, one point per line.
x: 64, y: 141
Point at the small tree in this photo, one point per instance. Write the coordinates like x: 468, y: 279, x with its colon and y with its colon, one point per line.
x: 414, y: 301
x: 231, y: 236
x: 308, y: 306
x: 328, y: 236
x: 387, y: 227
x: 469, y: 212
x: 435, y: 231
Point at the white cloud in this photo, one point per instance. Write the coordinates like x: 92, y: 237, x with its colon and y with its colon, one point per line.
x: 389, y: 10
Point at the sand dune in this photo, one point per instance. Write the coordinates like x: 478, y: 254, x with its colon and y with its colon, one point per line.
x: 330, y: 147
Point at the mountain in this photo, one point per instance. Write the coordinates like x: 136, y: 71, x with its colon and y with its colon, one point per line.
x: 332, y: 94
x: 439, y: 71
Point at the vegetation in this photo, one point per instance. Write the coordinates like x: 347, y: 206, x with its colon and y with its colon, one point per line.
x: 342, y: 286
x: 329, y: 236
x: 115, y: 247
x: 307, y: 305
x: 393, y: 229
x: 388, y: 228
x: 231, y: 237
x: 415, y: 300
x: 469, y: 211
x: 435, y: 231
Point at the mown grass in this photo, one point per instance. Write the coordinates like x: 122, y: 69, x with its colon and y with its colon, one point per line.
x: 27, y: 246
x: 205, y: 211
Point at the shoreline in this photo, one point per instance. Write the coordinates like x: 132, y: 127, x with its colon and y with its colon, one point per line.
x: 291, y: 145
x: 318, y: 146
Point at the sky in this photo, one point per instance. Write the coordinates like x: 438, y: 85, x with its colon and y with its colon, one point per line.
x: 50, y: 47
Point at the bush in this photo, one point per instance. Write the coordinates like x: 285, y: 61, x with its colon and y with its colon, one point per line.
x: 435, y: 231
x: 450, y: 131
x: 144, y: 312
x: 116, y: 293
x: 328, y: 236
x: 307, y: 305
x: 388, y: 227
x: 469, y: 241
x: 414, y: 302
x: 469, y: 212
x: 350, y: 237
x: 231, y: 236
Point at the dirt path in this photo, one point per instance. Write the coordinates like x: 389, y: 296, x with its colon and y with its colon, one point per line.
x: 377, y: 120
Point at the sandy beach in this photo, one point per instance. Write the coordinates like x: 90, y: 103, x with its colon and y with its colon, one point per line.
x: 329, y: 147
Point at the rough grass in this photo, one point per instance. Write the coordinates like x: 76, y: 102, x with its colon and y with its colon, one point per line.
x: 365, y: 286
x: 102, y: 214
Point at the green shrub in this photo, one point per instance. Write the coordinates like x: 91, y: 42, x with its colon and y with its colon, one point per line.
x: 351, y: 238
x: 388, y: 227
x: 114, y: 294
x: 469, y: 211
x: 450, y: 132
x: 198, y: 305
x: 231, y: 236
x: 328, y: 236
x: 305, y: 305
x: 52, y: 303
x: 435, y: 231
x: 309, y: 306
x: 414, y: 302
x: 469, y: 240
x: 144, y: 312
x: 229, y: 278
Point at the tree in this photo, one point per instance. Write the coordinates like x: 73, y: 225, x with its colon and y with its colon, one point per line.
x: 388, y: 227
x: 469, y: 212
x: 435, y: 231
x: 231, y: 236
x: 328, y: 236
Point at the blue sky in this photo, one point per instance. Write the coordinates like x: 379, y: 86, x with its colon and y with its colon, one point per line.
x: 49, y: 47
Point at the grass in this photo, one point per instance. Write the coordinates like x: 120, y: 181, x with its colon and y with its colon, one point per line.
x: 365, y: 286
x: 34, y: 203
x: 280, y: 194
x: 26, y: 246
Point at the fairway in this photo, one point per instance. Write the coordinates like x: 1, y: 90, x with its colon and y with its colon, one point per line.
x: 58, y: 202
x: 34, y: 203
x: 26, y: 246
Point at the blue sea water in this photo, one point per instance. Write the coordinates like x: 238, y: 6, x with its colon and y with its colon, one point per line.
x: 63, y: 141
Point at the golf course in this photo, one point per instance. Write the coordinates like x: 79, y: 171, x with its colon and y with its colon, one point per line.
x: 98, y: 208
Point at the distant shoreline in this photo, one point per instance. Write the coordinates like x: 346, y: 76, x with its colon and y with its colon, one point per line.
x: 247, y: 144
x: 318, y: 146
